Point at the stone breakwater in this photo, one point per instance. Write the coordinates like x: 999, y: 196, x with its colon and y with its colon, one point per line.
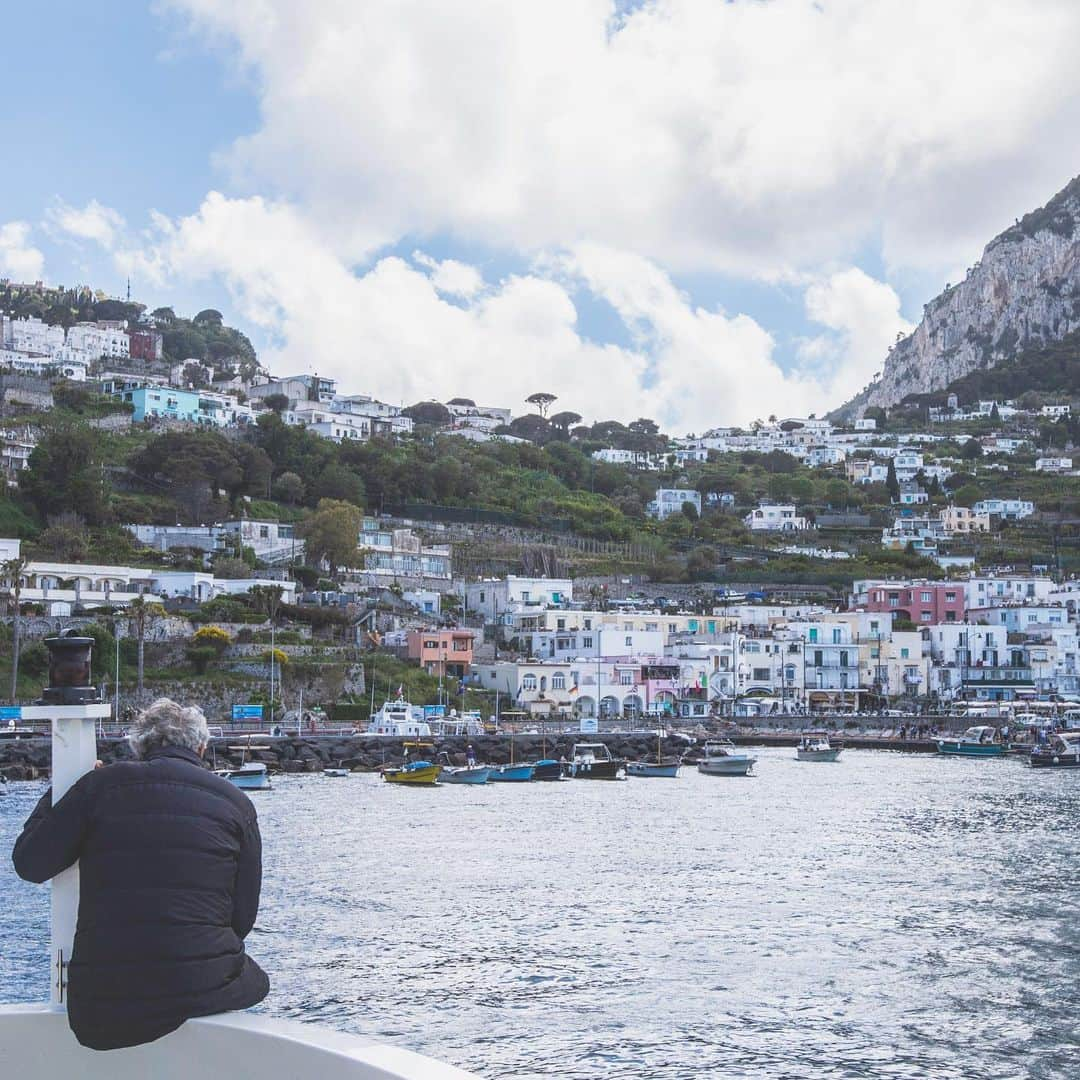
x: 30, y: 759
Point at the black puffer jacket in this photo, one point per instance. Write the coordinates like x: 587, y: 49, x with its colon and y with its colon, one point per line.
x: 170, y: 866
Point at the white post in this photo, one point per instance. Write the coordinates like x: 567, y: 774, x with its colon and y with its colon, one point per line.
x: 74, y: 752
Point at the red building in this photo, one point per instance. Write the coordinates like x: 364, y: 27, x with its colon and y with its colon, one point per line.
x: 445, y: 652
x: 920, y: 602
x: 144, y: 344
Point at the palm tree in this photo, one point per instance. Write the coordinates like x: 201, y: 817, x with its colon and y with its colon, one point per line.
x: 13, y: 570
x: 142, y: 614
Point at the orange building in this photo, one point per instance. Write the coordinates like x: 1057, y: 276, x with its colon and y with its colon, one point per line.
x: 442, y: 652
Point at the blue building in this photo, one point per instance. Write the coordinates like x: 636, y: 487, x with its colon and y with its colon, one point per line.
x: 164, y: 401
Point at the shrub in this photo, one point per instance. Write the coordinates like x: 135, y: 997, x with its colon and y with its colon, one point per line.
x: 212, y: 637
x: 277, y: 656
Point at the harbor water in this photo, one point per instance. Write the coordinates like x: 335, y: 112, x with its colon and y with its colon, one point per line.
x: 889, y: 915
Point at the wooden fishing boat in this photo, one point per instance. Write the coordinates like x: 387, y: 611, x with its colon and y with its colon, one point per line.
x: 661, y: 767
x: 547, y: 769
x: 815, y: 746
x: 511, y: 774
x: 1061, y: 752
x: 418, y: 772
x: 251, y: 776
x: 462, y: 774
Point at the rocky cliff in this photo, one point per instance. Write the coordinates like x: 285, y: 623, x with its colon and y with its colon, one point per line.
x: 1024, y: 291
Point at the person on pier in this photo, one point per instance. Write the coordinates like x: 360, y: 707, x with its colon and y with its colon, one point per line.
x: 170, y: 871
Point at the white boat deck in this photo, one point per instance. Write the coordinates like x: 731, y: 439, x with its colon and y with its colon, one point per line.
x: 36, y: 1044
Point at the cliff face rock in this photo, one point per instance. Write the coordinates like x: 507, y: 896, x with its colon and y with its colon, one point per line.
x: 1025, y: 290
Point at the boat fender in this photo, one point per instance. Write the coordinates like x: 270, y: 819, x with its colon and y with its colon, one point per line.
x: 1055, y: 759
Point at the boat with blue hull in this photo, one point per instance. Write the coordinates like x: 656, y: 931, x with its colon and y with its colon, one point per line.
x: 511, y: 774
x: 975, y: 742
x: 462, y: 774
x: 249, y: 777
x: 547, y: 769
x: 668, y: 769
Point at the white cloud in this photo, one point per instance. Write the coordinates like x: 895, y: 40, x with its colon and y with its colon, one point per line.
x: 392, y: 332
x: 18, y: 259
x: 95, y: 222
x: 864, y: 317
x: 451, y: 276
x: 745, y: 136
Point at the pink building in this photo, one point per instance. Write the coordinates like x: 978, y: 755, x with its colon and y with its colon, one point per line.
x: 442, y: 652
x: 920, y: 602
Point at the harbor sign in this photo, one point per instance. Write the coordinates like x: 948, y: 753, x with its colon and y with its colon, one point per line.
x: 247, y: 712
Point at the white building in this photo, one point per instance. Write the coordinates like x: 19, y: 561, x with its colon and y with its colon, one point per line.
x: 495, y: 598
x: 991, y: 590
x: 670, y: 501
x: 775, y: 517
x: 1006, y: 509
x: 100, y: 340
x: 1054, y: 464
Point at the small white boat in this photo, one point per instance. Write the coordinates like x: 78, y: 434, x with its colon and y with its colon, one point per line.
x: 723, y: 759
x: 251, y: 776
x: 400, y: 718
x: 335, y: 772
x: 815, y: 746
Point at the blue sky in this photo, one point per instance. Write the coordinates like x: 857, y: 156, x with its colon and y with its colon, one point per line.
x: 696, y: 212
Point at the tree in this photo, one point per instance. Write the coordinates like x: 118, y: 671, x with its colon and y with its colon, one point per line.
x: 644, y: 426
x: 564, y: 421
x: 66, y: 539
x: 208, y: 315
x: 532, y: 427
x: 836, y: 494
x: 968, y: 495
x: 995, y: 415
x: 267, y: 600
x: 276, y: 402
x: 432, y: 413
x: 971, y: 450
x: 65, y: 473
x: 13, y: 570
x: 289, y: 488
x: 892, y: 485
x: 689, y: 511
x: 332, y: 533
x: 542, y: 401
x: 142, y: 614
x: 341, y: 484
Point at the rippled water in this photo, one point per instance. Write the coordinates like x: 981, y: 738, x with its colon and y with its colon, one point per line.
x: 887, y: 916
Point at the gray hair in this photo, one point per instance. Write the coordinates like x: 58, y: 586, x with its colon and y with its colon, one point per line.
x: 165, y: 723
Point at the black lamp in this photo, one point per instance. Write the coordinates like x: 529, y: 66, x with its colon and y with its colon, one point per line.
x: 70, y: 678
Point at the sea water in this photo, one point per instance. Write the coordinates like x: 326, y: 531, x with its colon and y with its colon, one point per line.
x: 889, y: 915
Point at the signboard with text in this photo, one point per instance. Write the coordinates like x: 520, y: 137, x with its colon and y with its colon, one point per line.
x: 247, y: 712
x: 588, y: 725
x: 10, y: 712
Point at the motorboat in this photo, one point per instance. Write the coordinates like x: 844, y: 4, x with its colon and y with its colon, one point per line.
x: 334, y: 773
x: 594, y: 761
x: 251, y: 776
x: 978, y: 741
x: 400, y: 718
x: 1061, y: 751
x: 462, y: 774
x: 815, y: 746
x: 454, y: 726
x: 722, y: 758
x: 519, y: 773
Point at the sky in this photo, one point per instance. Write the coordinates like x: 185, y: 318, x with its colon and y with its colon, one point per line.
x: 698, y: 211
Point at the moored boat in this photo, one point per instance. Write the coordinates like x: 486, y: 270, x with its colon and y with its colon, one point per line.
x: 519, y: 774
x: 335, y: 772
x: 977, y: 741
x: 401, y: 718
x: 547, y: 769
x: 653, y: 768
x: 815, y: 746
x: 413, y: 773
x: 252, y: 776
x: 593, y: 761
x: 721, y: 758
x: 1062, y: 751
x: 462, y: 774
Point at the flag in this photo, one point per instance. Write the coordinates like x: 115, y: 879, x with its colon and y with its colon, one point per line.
x: 573, y: 689
x: 703, y: 680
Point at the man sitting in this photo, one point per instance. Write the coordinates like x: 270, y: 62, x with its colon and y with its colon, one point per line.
x: 170, y: 868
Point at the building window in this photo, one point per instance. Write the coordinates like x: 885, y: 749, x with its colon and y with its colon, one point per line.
x: 528, y: 682
x: 926, y: 597
x: 558, y: 681
x: 586, y: 642
x: 761, y: 674
x: 628, y: 641
x: 626, y: 678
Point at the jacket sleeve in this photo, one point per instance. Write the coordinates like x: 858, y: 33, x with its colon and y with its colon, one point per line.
x: 52, y: 837
x: 248, y: 880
